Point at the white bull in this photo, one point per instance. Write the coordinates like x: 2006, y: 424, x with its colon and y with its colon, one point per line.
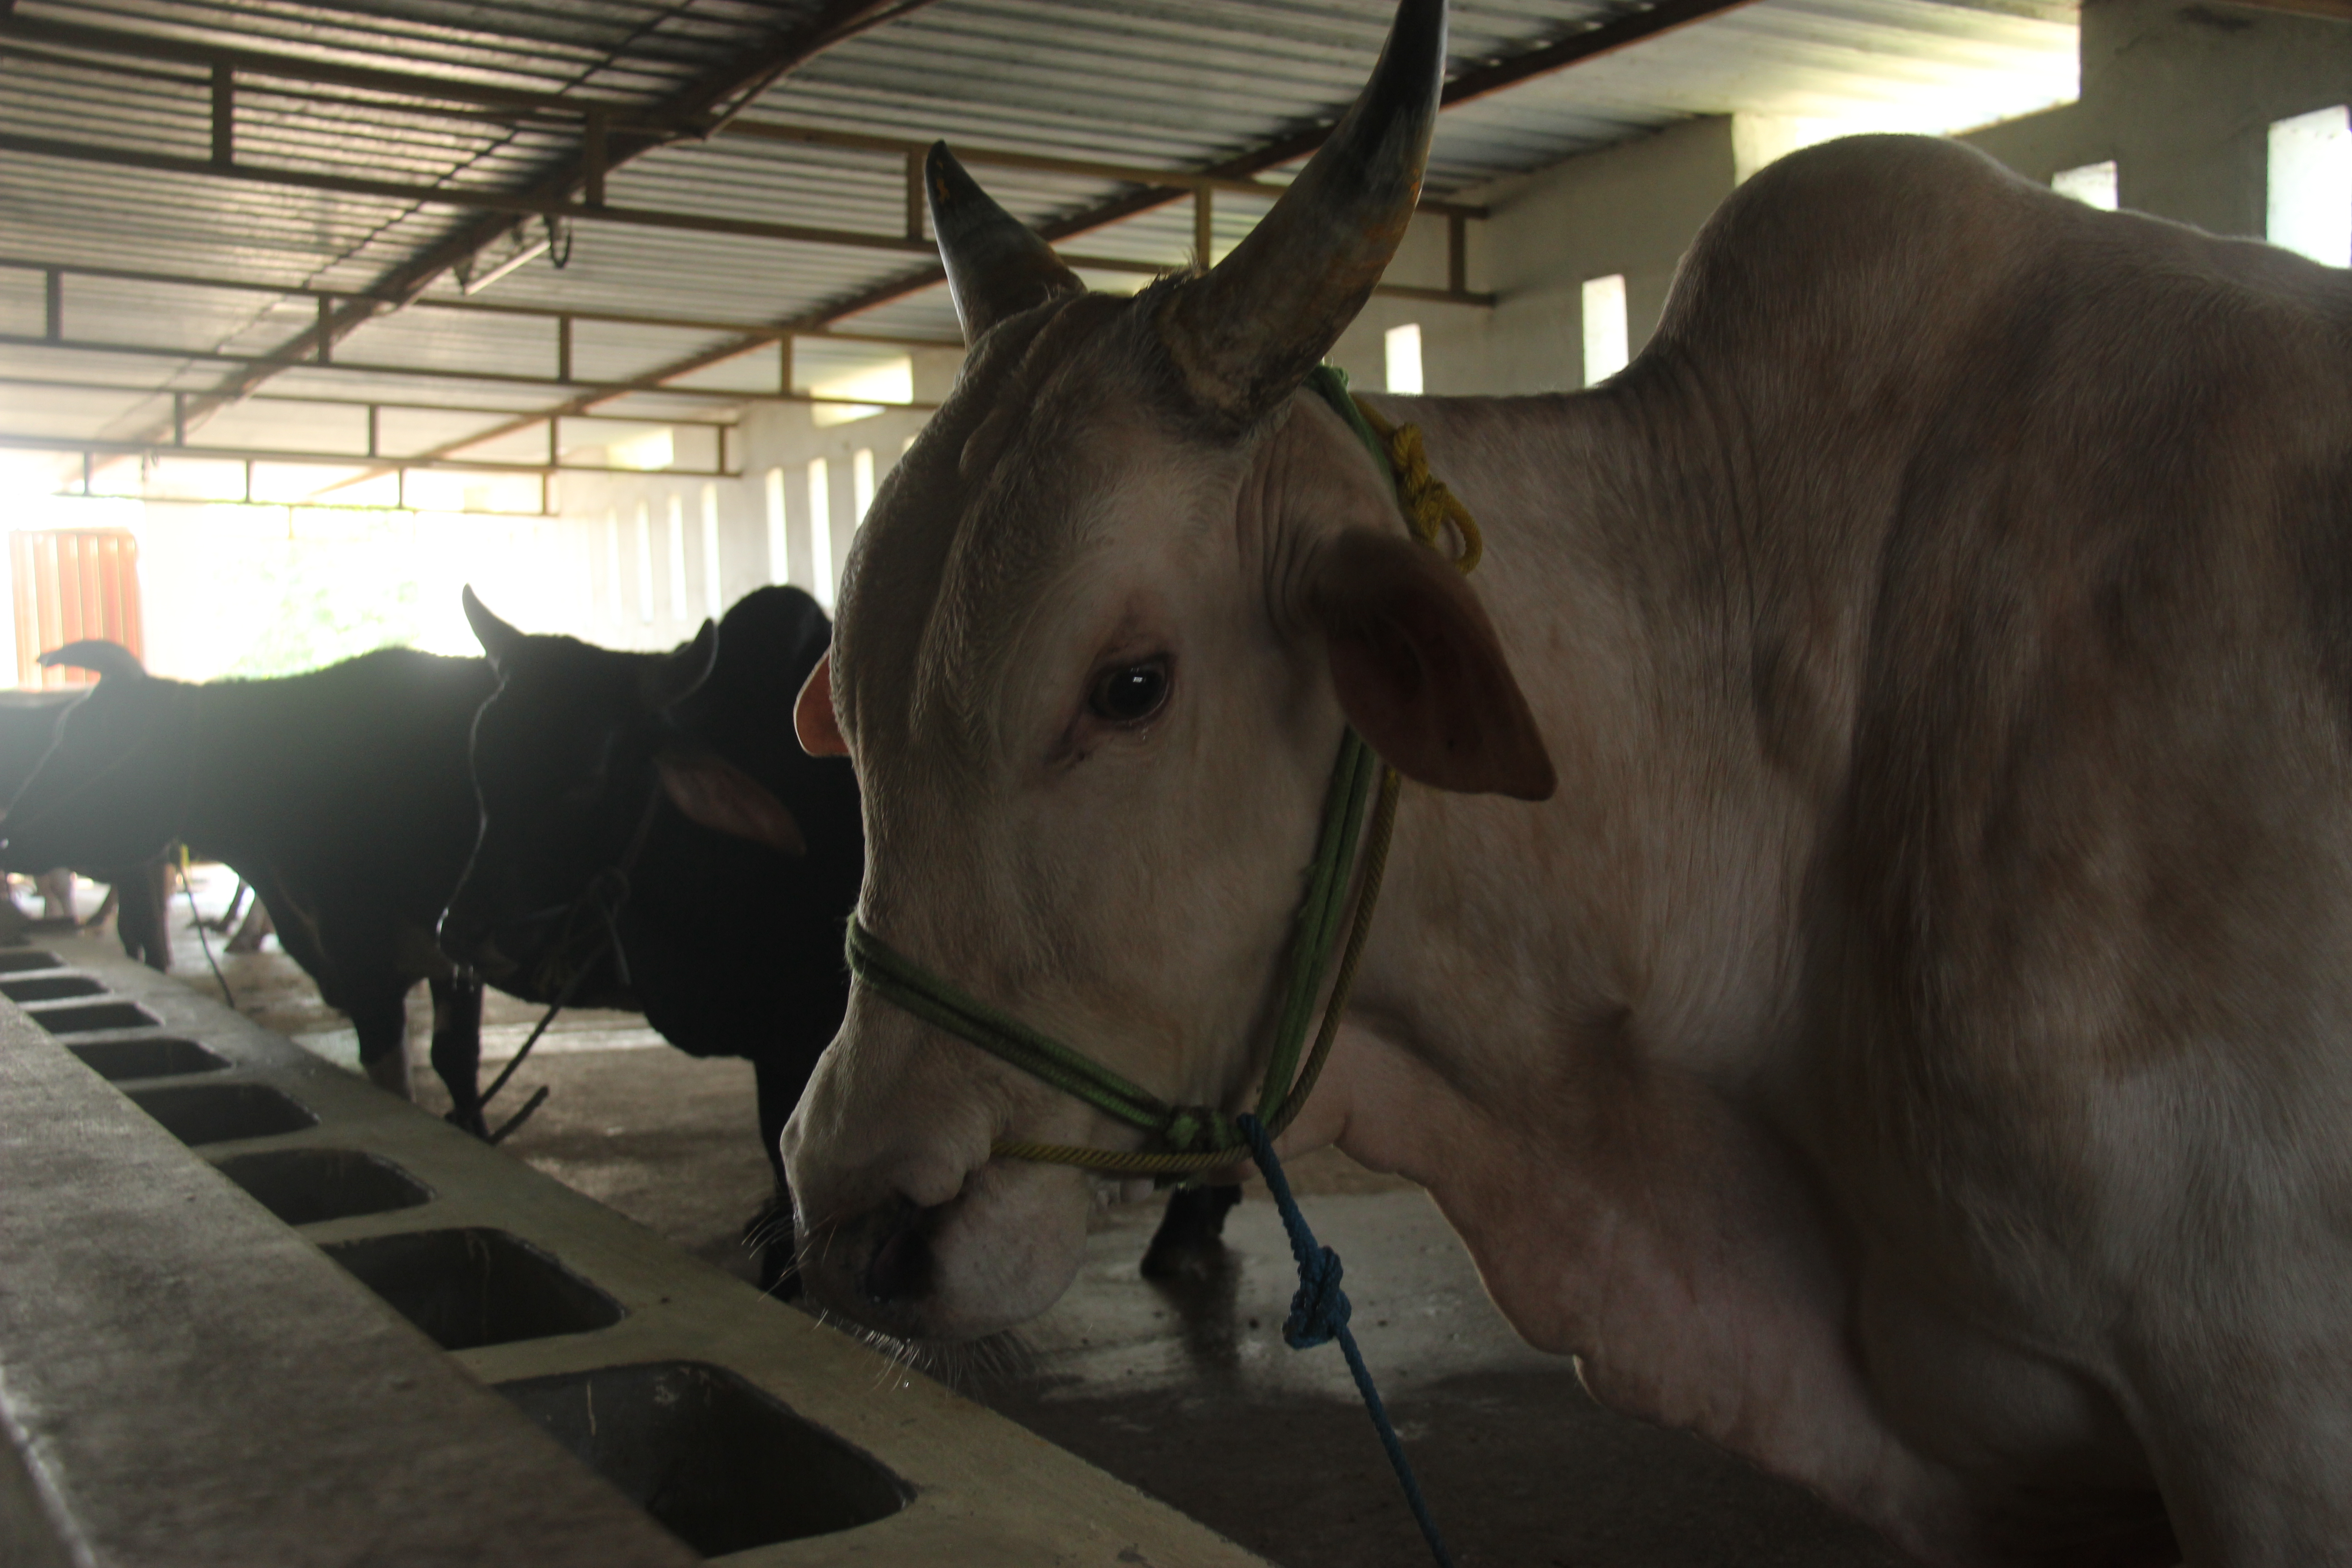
x: 1911, y: 1047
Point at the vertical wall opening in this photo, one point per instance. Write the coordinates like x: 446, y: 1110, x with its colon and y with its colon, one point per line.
x: 2310, y: 204
x: 820, y: 496
x: 645, y: 563
x: 714, y: 604
x: 780, y: 558
x: 677, y: 556
x: 1404, y: 354
x: 1606, y: 338
x: 861, y: 484
x: 613, y: 600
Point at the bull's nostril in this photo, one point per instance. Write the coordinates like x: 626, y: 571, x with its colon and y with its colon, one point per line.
x: 901, y: 1266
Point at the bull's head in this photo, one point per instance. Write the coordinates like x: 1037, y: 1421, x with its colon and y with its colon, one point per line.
x: 1097, y: 646
x: 570, y: 755
x: 110, y: 790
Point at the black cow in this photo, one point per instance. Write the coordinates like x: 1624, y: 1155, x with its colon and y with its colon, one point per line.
x: 28, y: 724
x: 735, y: 902
x: 341, y: 796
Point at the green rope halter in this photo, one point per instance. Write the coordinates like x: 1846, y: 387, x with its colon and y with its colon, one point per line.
x: 1201, y: 1138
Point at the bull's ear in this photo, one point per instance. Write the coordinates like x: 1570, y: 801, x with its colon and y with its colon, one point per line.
x: 107, y: 660
x: 813, y: 716
x: 723, y: 797
x: 1420, y: 672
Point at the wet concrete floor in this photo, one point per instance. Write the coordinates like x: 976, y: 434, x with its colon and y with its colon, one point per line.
x: 1184, y: 1390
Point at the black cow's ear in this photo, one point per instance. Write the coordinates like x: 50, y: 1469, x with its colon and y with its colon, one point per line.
x: 498, y: 638
x: 679, y: 673
x: 1420, y: 672
x: 102, y: 658
x: 723, y: 797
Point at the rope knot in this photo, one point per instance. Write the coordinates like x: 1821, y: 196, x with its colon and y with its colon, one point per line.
x: 1319, y: 1311
x: 1194, y: 1129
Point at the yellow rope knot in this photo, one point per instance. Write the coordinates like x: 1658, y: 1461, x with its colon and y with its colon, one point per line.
x: 1429, y: 506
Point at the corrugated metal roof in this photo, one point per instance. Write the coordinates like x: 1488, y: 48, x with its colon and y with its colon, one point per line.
x: 1161, y: 83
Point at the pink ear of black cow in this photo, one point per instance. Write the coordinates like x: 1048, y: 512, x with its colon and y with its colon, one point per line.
x: 1420, y: 672
x: 721, y: 797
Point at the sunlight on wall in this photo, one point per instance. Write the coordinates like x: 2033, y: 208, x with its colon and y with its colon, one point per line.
x: 2092, y: 185
x: 2310, y: 188
x: 1606, y: 336
x: 1402, y: 347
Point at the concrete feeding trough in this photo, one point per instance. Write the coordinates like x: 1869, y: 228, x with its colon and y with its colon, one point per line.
x: 49, y: 987
x: 151, y: 1055
x: 699, y: 1449
x: 470, y: 1288
x: 260, y: 1311
x: 309, y: 1186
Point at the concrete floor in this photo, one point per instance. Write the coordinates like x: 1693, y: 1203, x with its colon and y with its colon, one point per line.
x: 1187, y: 1391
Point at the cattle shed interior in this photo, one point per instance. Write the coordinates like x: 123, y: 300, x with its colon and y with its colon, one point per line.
x: 313, y: 314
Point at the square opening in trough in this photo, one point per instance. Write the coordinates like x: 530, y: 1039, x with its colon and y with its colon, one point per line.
x: 476, y: 1287
x: 718, y: 1463
x: 308, y: 1186
x: 49, y: 987
x: 17, y: 960
x: 151, y: 1055
x: 218, y: 1113
x: 87, y: 1018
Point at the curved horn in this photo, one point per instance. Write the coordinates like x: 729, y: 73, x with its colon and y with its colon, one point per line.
x: 1246, y: 334
x: 498, y: 638
x: 101, y: 657
x: 996, y: 266
x: 679, y: 674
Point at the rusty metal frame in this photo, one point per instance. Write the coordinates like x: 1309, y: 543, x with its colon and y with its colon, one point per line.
x: 603, y: 390
x: 593, y: 211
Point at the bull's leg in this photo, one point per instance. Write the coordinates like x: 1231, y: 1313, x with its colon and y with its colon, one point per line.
x: 458, y: 1047
x: 1191, y: 1237
x: 56, y: 895
x: 770, y: 1234
x: 252, y: 928
x: 382, y: 1022
x: 142, y: 897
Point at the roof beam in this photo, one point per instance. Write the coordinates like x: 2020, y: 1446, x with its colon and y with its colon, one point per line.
x: 530, y: 205
x: 601, y: 391
x: 383, y: 463
x: 519, y: 106
x: 473, y: 307
x: 1606, y: 37
x: 835, y: 22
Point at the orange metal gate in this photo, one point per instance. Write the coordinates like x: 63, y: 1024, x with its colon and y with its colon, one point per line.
x: 71, y: 583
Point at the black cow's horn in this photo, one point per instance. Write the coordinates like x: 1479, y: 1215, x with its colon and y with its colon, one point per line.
x: 679, y: 674
x: 996, y: 266
x: 1244, y: 336
x: 498, y: 638
x: 101, y: 657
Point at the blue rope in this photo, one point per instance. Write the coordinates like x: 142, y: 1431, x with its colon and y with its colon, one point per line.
x: 1319, y: 1314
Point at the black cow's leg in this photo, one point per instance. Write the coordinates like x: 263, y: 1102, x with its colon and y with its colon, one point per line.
x: 770, y: 1234
x: 382, y: 1022
x: 1191, y: 1235
x: 458, y: 1047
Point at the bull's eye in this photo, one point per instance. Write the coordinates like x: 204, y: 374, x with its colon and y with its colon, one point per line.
x: 1130, y: 694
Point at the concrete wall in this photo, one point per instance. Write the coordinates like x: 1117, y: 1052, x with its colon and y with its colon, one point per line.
x: 2182, y: 96
x: 1631, y: 210
x: 613, y: 539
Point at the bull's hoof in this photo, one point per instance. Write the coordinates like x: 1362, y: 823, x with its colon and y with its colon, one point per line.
x: 1190, y: 1242
x: 468, y: 1119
